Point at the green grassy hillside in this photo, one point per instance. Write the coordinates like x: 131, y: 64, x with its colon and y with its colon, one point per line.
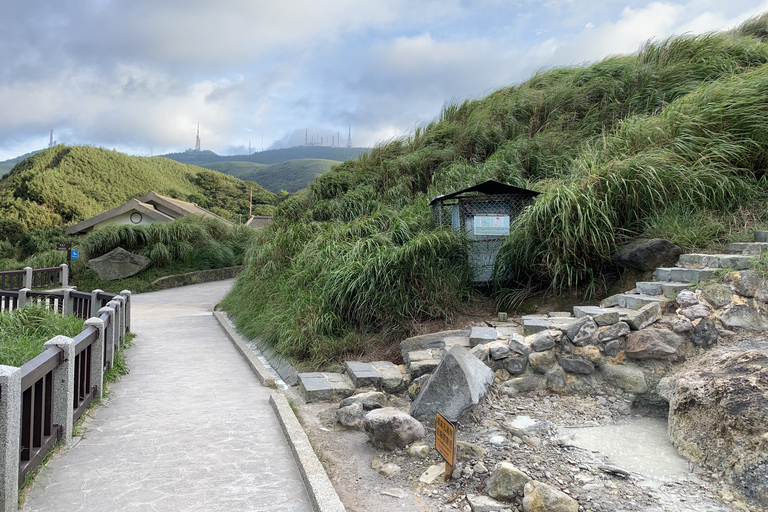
x: 272, y: 156
x: 66, y: 184
x: 7, y: 165
x: 291, y: 176
x: 671, y: 141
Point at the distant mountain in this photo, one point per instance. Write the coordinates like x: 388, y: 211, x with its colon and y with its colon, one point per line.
x: 272, y: 156
x: 291, y: 175
x: 7, y: 165
x: 67, y: 184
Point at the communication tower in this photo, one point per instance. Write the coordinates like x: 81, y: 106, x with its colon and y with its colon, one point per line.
x: 197, y: 139
x: 349, y: 139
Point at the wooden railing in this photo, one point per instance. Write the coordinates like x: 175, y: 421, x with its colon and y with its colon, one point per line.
x: 40, y: 401
x: 35, y: 278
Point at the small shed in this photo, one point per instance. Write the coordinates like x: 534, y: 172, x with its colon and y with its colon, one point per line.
x: 484, y: 212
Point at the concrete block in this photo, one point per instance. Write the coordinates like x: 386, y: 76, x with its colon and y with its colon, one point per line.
x: 644, y: 316
x: 362, y: 374
x: 392, y: 379
x: 582, y: 311
x: 559, y: 314
x: 319, y: 386
x: 64, y: 387
x: 761, y: 236
x: 607, y: 318
x: 747, y: 247
x: 649, y: 287
x: 482, y: 335
x: 730, y: 261
x: 534, y: 324
x: 630, y: 301
x: 610, y: 302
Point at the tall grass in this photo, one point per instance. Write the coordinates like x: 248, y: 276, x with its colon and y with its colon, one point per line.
x: 23, y: 332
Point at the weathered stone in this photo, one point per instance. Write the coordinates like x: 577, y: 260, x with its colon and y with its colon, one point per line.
x: 480, y: 503
x: 424, y: 367
x: 351, y: 416
x: 612, y: 348
x: 502, y: 375
x: 745, y: 283
x: 482, y: 335
x: 680, y: 325
x: 518, y: 346
x: 745, y: 313
x: 718, y: 415
x: 610, y: 302
x: 432, y: 473
x: 653, y: 344
x: 586, y: 334
x: 644, y: 316
x: 393, y: 380
x: 498, y: 350
x: 481, y: 352
x: 369, y: 401
x: 607, y: 318
x: 704, y: 332
x: 630, y: 378
x: 467, y: 451
x: 646, y: 255
x: 418, y: 451
x: 541, y: 362
x: 456, y: 385
x: 515, y: 365
x: 556, y: 380
x: 392, y: 429
x: 426, y: 341
x: 541, y: 341
x: 719, y: 295
x: 520, y: 385
x: 118, y: 264
x: 506, y: 482
x: 389, y: 470
x: 686, y: 299
x: 415, y: 387
x: 559, y: 314
x: 578, y: 366
x: 570, y: 326
x: 540, y: 497
x: 612, y: 332
x: 362, y: 374
x: 319, y: 386
x: 696, y: 311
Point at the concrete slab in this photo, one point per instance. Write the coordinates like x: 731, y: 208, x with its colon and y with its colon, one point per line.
x: 482, y: 335
x: 319, y: 386
x: 362, y: 374
x: 533, y: 324
x: 582, y: 311
x: 748, y: 247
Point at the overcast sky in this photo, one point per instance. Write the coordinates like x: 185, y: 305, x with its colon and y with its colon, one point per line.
x: 139, y: 75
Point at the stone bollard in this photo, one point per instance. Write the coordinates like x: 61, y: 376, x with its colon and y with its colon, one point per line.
x: 64, y: 387
x: 109, y: 334
x: 64, y: 275
x: 95, y: 303
x: 23, y: 300
x: 117, y: 306
x: 502, y: 316
x: 28, y: 277
x: 67, y: 303
x: 127, y: 313
x: 10, y: 436
x: 97, y: 356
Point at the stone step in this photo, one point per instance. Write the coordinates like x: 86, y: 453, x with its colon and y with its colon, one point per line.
x: 685, y: 275
x: 321, y: 386
x: 582, y: 311
x: 664, y: 288
x: 761, y: 236
x: 729, y: 261
x: 533, y: 324
x: 748, y: 247
x: 637, y: 301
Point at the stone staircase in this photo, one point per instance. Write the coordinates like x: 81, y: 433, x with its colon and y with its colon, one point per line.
x: 690, y: 270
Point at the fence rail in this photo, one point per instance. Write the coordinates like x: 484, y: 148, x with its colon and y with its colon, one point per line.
x: 41, y: 400
x: 35, y: 278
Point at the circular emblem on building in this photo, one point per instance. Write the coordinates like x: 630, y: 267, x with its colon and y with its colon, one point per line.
x: 136, y: 218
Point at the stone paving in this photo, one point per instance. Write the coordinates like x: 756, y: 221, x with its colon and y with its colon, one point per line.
x: 190, y: 428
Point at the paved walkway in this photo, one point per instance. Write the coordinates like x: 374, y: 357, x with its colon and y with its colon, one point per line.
x: 190, y: 428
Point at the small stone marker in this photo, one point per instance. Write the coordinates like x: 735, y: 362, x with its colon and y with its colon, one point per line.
x: 445, y: 443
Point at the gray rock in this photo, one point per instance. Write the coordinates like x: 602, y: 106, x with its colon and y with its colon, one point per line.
x: 646, y: 255
x: 393, y: 380
x: 704, y: 332
x: 719, y: 295
x: 748, y: 314
x: 498, y: 350
x: 418, y: 451
x: 368, y: 401
x: 392, y: 429
x: 569, y: 326
x: 541, y: 341
x: 586, y: 334
x: 630, y: 378
x: 480, y: 503
x: 578, y: 366
x: 389, y: 470
x: 415, y: 387
x: 653, y: 344
x: 468, y: 451
x: 644, y: 316
x: 516, y: 365
x: 696, y: 311
x: 456, y: 385
x: 540, y: 497
x: 320, y: 386
x: 541, y: 362
x: 607, y: 318
x: 424, y: 367
x: 681, y: 325
x: 519, y: 347
x: 612, y: 348
x: 362, y: 374
x: 612, y: 332
x: 556, y: 380
x: 506, y: 482
x: 427, y: 341
x: 686, y: 299
x: 522, y: 385
x: 482, y: 335
x: 118, y: 264
x: 351, y: 416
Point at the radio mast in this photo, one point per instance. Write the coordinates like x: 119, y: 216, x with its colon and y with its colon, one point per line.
x: 197, y: 139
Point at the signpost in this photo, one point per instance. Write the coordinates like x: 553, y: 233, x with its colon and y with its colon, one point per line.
x: 67, y: 246
x: 445, y: 443
x: 75, y: 255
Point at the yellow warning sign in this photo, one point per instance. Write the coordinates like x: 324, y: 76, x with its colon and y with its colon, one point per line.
x: 445, y: 439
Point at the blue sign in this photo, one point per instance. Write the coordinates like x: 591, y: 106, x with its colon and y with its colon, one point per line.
x: 75, y: 255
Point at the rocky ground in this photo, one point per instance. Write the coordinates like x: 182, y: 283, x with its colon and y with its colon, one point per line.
x: 370, y: 479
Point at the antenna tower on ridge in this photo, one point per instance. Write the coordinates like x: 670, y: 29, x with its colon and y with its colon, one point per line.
x: 197, y: 139
x: 349, y: 139
x: 50, y: 144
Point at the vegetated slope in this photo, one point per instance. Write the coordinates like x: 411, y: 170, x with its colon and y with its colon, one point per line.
x: 271, y: 156
x: 66, y: 184
x: 671, y: 141
x: 7, y: 165
x: 291, y: 176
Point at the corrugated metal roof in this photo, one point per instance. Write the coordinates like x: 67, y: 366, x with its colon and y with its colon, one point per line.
x: 489, y: 187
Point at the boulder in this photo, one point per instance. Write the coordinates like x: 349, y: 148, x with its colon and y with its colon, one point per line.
x: 745, y: 313
x: 516, y: 365
x: 540, y: 497
x: 351, y: 416
x: 646, y: 255
x: 498, y: 350
x: 586, y: 334
x: 467, y: 451
x: 612, y: 332
x: 519, y: 347
x: 578, y: 366
x: 719, y: 295
x: 570, y: 326
x: 458, y: 383
x: 521, y: 385
x: 654, y: 344
x: 556, y: 380
x: 506, y: 482
x: 630, y: 378
x: 368, y: 401
x: 644, y: 316
x: 541, y: 362
x: 541, y: 341
x: 118, y: 264
x: 686, y: 299
x: 392, y: 429
x: 718, y: 415
x: 704, y: 332
x: 607, y: 318
x: 696, y: 311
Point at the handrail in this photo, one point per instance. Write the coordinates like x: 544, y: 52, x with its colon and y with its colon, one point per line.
x: 35, y: 278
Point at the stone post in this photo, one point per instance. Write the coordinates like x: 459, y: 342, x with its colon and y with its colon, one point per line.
x: 120, y: 317
x: 28, y: 277
x: 109, y: 334
x: 97, y: 355
x: 95, y: 305
x: 64, y: 275
x: 64, y: 387
x: 23, y: 300
x: 10, y: 436
x: 67, y: 306
x: 127, y: 295
x: 115, y: 305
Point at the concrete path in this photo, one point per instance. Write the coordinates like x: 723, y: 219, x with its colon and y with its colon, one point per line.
x: 190, y: 428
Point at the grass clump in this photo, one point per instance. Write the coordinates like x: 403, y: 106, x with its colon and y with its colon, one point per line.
x: 23, y: 332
